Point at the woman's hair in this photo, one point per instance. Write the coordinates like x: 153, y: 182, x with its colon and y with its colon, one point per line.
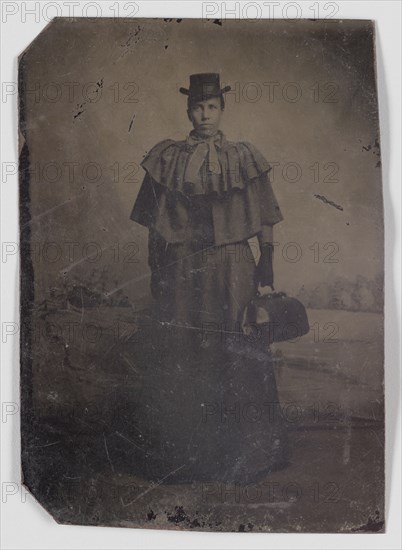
x: 191, y: 102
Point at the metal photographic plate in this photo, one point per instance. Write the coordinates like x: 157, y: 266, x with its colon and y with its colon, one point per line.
x: 202, y: 274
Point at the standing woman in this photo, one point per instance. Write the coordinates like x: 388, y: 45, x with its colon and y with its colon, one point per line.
x: 210, y: 406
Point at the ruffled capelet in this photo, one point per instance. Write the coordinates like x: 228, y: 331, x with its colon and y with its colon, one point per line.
x: 233, y: 175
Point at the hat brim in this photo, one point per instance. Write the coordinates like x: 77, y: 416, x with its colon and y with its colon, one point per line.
x: 185, y: 91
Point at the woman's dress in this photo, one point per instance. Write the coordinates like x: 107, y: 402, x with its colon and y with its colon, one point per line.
x: 209, y: 408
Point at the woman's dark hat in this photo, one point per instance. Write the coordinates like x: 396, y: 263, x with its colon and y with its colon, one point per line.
x: 203, y: 86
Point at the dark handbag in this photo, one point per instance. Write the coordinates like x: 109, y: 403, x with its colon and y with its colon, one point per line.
x: 275, y: 317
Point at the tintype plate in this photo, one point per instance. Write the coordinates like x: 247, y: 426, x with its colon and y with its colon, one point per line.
x: 202, y: 274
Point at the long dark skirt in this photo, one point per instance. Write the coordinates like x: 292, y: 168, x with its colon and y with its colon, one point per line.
x: 210, y: 399
x: 195, y: 283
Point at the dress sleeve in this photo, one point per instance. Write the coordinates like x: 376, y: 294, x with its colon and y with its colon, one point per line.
x: 147, y: 202
x: 269, y: 209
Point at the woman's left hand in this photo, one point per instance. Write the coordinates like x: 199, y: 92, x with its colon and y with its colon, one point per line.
x: 265, y: 290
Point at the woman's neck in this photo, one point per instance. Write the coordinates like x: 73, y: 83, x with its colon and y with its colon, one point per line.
x: 199, y: 134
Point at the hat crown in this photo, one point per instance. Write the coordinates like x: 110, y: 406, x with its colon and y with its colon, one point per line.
x: 204, y: 86
x: 205, y: 83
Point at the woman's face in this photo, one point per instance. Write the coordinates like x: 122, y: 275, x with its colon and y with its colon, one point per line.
x: 206, y: 116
